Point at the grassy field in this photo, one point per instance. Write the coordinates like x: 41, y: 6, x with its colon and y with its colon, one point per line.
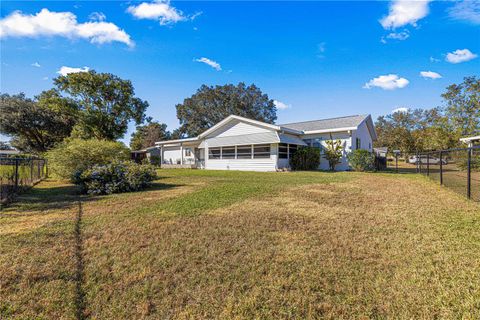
x: 237, y: 245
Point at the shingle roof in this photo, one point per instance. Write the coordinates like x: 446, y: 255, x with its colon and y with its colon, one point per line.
x: 326, y: 124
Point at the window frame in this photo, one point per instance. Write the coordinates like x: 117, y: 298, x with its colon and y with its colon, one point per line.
x: 262, y: 154
x: 219, y: 149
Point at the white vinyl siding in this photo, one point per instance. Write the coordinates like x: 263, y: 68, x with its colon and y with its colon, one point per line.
x: 319, y: 140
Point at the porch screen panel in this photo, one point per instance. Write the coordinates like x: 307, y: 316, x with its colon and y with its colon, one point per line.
x: 261, y: 151
x: 244, y: 152
x: 228, y: 152
x: 214, y: 153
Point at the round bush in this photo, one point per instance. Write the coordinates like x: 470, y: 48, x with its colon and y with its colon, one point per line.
x: 305, y: 158
x: 75, y: 155
x: 361, y: 160
x: 116, y: 177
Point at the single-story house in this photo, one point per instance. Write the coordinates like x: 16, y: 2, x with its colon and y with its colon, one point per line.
x: 151, y: 154
x: 238, y: 143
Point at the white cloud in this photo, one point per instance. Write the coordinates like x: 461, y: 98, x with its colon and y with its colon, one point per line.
x: 400, y: 109
x: 45, y: 78
x: 432, y: 59
x: 280, y: 105
x: 321, y: 48
x: 466, y: 10
x: 215, y: 65
x: 403, y: 12
x: 458, y: 56
x: 36, y: 65
x: 387, y: 82
x: 97, y: 16
x: 66, y: 70
x: 63, y: 24
x: 430, y: 75
x: 404, y: 35
x: 159, y: 10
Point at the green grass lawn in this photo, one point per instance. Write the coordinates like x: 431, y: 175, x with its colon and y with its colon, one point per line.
x: 238, y: 245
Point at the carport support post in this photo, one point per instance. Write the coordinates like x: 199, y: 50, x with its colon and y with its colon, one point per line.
x: 441, y: 169
x: 181, y: 152
x: 469, y: 169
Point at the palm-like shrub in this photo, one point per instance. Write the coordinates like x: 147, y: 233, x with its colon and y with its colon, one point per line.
x: 333, y: 152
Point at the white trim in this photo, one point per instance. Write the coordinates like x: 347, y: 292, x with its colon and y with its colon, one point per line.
x: 346, y: 129
x: 176, y: 141
x: 468, y: 139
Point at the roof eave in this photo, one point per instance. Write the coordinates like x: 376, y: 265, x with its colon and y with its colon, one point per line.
x: 330, y: 130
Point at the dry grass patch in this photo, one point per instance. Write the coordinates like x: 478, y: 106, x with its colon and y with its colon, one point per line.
x: 297, y: 245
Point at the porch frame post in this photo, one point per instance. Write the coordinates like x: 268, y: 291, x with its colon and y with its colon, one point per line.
x: 181, y: 152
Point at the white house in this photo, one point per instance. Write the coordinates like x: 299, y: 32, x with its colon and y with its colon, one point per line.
x: 238, y: 143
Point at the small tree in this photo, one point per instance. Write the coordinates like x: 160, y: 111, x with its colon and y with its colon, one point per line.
x: 305, y: 158
x: 333, y: 152
x: 73, y: 156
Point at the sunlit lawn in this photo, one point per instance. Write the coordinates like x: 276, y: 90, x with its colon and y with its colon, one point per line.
x: 213, y: 244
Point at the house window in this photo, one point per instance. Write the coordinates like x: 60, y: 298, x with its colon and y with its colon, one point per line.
x: 283, y: 151
x: 188, y: 152
x: 228, y: 152
x: 358, y: 143
x: 261, y: 151
x: 214, y: 153
x: 244, y: 152
x: 292, y: 148
x: 316, y: 143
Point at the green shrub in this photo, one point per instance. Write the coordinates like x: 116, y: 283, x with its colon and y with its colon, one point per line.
x: 305, y: 158
x: 116, y: 177
x: 361, y: 160
x: 76, y: 155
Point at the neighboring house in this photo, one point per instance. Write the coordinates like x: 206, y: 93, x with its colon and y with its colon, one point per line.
x: 9, y: 153
x: 471, y: 141
x: 238, y: 143
x: 152, y: 154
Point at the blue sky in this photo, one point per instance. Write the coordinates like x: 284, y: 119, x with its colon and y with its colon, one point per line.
x: 317, y: 59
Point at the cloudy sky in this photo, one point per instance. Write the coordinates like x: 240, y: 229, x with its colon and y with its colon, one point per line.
x: 315, y: 59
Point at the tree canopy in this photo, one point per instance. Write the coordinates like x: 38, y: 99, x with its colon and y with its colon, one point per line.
x: 209, y: 105
x: 106, y: 104
x: 437, y: 128
x: 32, y: 124
x: 146, y: 135
x: 462, y: 106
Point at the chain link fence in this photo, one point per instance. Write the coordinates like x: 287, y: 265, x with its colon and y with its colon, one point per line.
x: 456, y: 169
x: 18, y: 174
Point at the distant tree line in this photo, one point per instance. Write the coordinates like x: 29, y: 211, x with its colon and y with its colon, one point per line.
x: 434, y: 129
x: 91, y: 105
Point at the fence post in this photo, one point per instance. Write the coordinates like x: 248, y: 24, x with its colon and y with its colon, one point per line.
x: 428, y: 164
x: 441, y: 168
x: 31, y: 172
x: 469, y: 169
x: 16, y: 173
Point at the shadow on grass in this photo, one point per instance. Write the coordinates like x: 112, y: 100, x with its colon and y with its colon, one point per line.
x: 45, y: 197
x: 79, y: 267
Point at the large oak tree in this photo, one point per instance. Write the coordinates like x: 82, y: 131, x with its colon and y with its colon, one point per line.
x: 35, y: 125
x: 209, y: 105
x: 106, y: 104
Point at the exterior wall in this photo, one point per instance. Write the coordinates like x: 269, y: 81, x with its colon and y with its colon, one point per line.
x: 238, y: 128
x: 365, y: 137
x: 172, y: 155
x: 269, y: 164
x: 346, y: 140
